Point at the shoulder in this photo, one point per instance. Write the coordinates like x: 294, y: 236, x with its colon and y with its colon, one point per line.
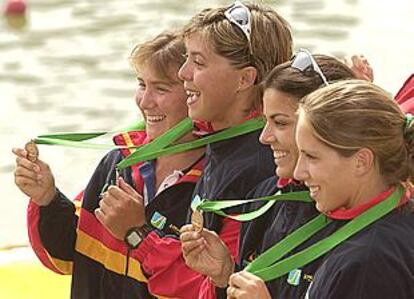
x: 378, y: 260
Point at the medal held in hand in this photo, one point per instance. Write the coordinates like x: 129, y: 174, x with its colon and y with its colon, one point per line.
x: 32, y: 151
x: 197, y: 220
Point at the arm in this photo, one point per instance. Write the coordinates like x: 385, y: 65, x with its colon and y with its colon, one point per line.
x: 52, y: 233
x: 35, y: 179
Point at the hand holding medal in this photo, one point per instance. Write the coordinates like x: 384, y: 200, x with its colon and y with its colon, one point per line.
x: 33, y: 176
x: 32, y: 151
x: 203, y: 250
x: 197, y: 219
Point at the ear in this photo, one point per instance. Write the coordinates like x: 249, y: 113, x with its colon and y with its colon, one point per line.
x: 364, y: 161
x: 247, y: 78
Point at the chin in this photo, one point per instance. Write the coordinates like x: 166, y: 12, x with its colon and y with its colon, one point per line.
x: 153, y: 134
x: 282, y: 172
x: 321, y: 208
x: 193, y: 113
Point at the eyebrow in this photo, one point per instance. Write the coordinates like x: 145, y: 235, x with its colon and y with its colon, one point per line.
x: 308, y: 152
x: 168, y: 83
x: 278, y: 114
x: 197, y: 53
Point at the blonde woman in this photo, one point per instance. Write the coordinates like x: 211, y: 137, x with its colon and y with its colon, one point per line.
x: 91, y: 246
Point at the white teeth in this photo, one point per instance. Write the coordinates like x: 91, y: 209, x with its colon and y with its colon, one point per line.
x: 314, y: 189
x: 279, y: 154
x: 193, y: 93
x: 192, y: 96
x: 155, y: 118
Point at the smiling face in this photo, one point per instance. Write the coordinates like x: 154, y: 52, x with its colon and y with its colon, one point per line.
x: 161, y: 101
x: 211, y: 82
x: 332, y: 179
x: 279, y: 109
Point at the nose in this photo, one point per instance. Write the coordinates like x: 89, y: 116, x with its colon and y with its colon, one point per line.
x: 145, y: 99
x: 267, y: 137
x: 300, y: 173
x: 185, y: 72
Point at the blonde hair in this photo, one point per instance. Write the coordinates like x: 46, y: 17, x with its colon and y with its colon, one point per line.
x: 353, y: 114
x: 271, y: 39
x: 164, y: 54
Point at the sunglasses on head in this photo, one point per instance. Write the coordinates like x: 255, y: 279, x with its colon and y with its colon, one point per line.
x: 239, y: 15
x: 304, y: 60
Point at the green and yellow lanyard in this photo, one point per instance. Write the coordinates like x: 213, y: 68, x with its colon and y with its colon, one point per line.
x: 270, y: 265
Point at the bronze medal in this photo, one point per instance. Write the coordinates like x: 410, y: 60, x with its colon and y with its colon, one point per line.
x: 197, y: 220
x: 32, y: 151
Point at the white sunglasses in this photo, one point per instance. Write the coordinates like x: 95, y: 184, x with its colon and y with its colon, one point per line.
x: 239, y: 15
x: 304, y: 60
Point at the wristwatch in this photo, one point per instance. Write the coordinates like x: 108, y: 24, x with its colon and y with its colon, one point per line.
x: 135, y: 235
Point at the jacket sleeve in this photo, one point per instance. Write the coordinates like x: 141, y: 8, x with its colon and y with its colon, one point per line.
x: 52, y: 233
x: 168, y: 275
x: 52, y: 229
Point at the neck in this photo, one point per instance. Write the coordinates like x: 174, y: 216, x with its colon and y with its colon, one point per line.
x: 363, y: 194
x: 165, y: 165
x: 236, y: 114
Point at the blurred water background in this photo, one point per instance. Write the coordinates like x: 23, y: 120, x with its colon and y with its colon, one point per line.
x: 66, y: 69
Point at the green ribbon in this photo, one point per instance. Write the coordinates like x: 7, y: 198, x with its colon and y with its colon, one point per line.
x: 149, y: 153
x: 161, y: 146
x: 216, y: 206
x: 78, y: 139
x: 268, y: 265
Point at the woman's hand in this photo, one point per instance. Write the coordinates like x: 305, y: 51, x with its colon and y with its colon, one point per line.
x: 35, y: 179
x: 207, y: 254
x: 361, y: 67
x: 120, y: 209
x: 244, y: 285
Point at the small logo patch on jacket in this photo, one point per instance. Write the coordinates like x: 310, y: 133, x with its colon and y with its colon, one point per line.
x: 158, y: 220
x: 294, y: 277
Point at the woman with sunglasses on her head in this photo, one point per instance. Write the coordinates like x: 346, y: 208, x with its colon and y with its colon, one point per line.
x: 229, y: 50
x: 283, y: 88
x: 356, y: 156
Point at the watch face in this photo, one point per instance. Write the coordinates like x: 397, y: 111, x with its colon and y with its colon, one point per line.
x: 133, y: 239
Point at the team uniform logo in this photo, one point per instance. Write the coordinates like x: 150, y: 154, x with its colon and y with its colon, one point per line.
x: 158, y: 220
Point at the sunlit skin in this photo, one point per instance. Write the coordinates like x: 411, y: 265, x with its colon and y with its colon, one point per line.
x: 279, y: 108
x: 161, y: 101
x: 334, y: 181
x: 218, y: 92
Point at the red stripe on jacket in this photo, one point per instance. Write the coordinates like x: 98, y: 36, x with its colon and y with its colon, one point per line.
x: 33, y: 217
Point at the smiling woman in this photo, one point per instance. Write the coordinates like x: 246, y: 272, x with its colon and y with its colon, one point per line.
x: 92, y: 238
x: 356, y: 155
x: 160, y: 94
